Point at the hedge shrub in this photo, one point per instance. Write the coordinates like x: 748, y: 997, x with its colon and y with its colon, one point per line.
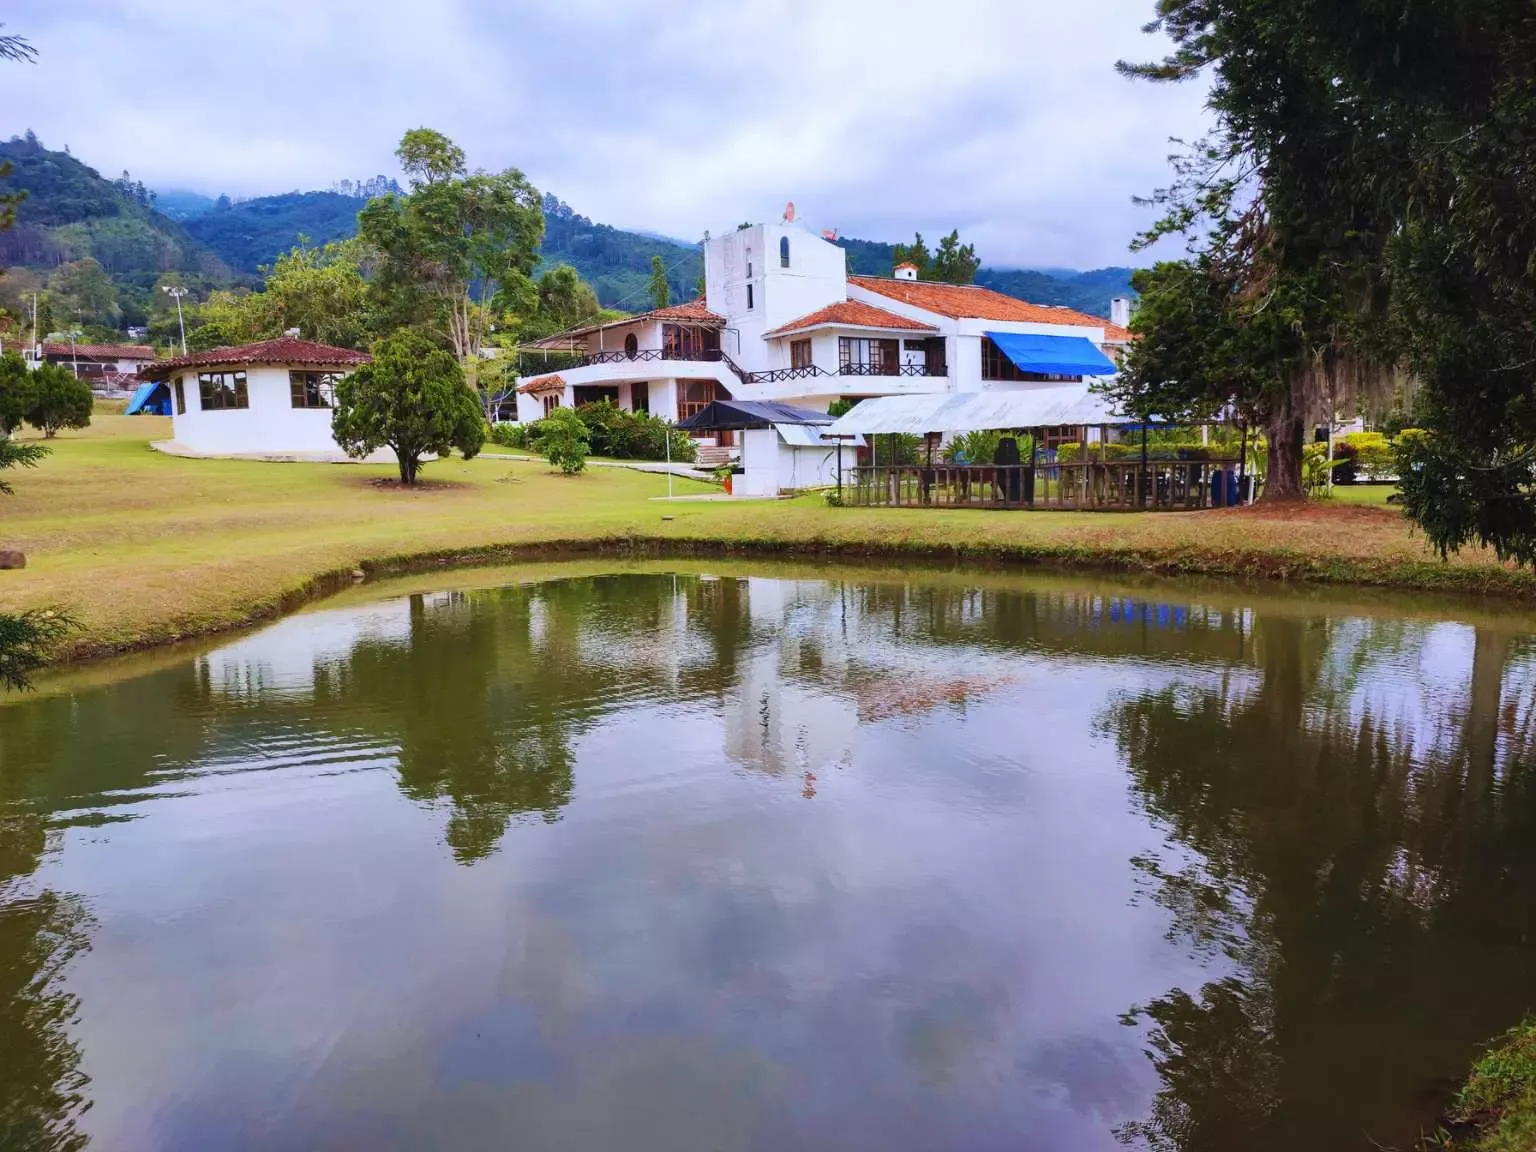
x: 611, y: 432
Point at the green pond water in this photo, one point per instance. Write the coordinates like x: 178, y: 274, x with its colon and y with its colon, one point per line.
x: 771, y: 859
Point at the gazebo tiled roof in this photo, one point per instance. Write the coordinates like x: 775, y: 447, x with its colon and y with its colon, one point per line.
x: 285, y: 350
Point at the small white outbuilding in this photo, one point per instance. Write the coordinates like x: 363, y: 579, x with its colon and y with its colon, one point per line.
x: 271, y: 399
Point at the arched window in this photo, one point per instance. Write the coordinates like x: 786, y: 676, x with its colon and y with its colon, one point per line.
x: 631, y: 346
x: 783, y: 251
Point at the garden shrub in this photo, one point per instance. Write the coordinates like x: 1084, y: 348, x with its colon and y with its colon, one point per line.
x: 972, y: 447
x: 512, y: 435
x: 611, y: 432
x: 563, y: 439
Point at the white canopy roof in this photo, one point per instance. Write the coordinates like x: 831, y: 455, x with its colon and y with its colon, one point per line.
x: 1041, y: 407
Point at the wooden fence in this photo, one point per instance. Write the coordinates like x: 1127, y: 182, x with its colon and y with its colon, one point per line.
x: 1117, y: 486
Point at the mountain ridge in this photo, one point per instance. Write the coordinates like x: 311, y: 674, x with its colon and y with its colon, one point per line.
x: 72, y: 212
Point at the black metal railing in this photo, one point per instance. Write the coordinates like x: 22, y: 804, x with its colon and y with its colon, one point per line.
x: 531, y: 363
x: 892, y: 370
x: 803, y: 372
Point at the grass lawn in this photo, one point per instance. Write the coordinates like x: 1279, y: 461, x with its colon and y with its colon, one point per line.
x: 144, y: 548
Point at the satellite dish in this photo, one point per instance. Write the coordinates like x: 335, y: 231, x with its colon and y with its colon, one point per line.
x: 789, y: 212
x: 829, y: 234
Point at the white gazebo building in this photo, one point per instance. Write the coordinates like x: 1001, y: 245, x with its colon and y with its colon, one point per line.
x: 265, y: 400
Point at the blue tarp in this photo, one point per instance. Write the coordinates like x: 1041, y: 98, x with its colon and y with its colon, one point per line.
x: 1053, y: 355
x: 153, y: 398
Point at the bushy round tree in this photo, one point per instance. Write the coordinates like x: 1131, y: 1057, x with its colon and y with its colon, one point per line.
x: 411, y: 399
x: 564, y: 440
x: 54, y: 399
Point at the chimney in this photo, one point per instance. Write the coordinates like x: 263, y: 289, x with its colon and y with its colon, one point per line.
x: 905, y: 271
x: 1120, y: 311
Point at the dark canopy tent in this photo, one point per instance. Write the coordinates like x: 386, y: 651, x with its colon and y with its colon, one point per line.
x: 738, y: 415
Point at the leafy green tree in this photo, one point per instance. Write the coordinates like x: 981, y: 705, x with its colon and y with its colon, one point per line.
x: 1279, y: 210
x: 657, y: 288
x: 564, y: 440
x: 563, y: 301
x: 916, y: 254
x: 955, y: 263
x: 1198, y: 352
x: 411, y: 399
x: 15, y: 381
x: 83, y: 291
x: 453, y: 245
x: 54, y: 399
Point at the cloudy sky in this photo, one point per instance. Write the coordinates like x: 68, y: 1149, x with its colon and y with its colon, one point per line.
x: 1003, y: 118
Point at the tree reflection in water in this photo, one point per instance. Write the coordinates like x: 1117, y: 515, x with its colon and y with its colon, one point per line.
x: 42, y: 1090
x: 1347, y: 871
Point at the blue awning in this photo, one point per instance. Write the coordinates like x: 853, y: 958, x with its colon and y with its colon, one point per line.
x: 1053, y: 355
x: 145, y: 400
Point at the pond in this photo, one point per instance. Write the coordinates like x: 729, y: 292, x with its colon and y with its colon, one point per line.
x: 759, y: 858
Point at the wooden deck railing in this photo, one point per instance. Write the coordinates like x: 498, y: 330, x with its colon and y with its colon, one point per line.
x: 1119, y: 486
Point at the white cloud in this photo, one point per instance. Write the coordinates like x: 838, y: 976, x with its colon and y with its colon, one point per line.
x: 879, y: 117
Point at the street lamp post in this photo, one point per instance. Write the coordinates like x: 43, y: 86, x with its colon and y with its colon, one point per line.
x: 176, y: 292
x: 74, y: 334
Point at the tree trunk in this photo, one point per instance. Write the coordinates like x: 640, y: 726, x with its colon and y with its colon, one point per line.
x: 1285, y: 430
x: 408, y: 465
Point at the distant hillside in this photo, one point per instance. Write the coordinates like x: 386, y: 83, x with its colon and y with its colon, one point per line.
x: 616, y: 263
x: 252, y: 234
x: 72, y: 211
x: 1088, y: 292
x: 181, y: 205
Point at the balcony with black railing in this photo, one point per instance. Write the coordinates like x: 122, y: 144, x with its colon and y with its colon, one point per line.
x: 535, y: 363
x: 885, y: 369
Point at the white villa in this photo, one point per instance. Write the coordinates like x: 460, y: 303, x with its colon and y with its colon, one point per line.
x: 781, y: 319
x: 268, y: 399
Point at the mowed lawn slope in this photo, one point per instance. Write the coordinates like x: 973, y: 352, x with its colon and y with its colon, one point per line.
x: 143, y: 548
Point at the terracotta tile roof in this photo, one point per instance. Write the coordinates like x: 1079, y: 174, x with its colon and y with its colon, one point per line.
x: 855, y: 313
x: 285, y: 350
x: 1114, y: 334
x: 971, y: 302
x: 102, y: 351
x: 543, y: 384
x: 693, y: 312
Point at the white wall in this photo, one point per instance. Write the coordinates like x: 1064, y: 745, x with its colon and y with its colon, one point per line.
x: 271, y: 425
x: 801, y: 467
x: 760, y: 457
x: 817, y: 276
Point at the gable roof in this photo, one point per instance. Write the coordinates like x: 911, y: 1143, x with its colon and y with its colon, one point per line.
x: 101, y: 351
x: 852, y: 313
x: 543, y: 384
x: 693, y: 312
x: 971, y: 302
x: 284, y: 350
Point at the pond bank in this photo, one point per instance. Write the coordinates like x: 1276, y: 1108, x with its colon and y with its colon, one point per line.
x: 145, y: 549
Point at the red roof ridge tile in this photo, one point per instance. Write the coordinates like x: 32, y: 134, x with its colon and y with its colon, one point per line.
x: 853, y: 314
x: 283, y: 350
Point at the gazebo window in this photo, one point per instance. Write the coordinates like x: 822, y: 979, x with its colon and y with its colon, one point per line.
x: 312, y: 389
x: 218, y: 391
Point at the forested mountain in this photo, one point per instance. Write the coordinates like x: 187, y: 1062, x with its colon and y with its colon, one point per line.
x: 1088, y: 292
x: 71, y: 212
x: 250, y: 234
x: 616, y: 263
x: 179, y: 204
